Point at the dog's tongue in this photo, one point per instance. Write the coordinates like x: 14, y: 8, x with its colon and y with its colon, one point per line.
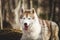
x: 26, y: 27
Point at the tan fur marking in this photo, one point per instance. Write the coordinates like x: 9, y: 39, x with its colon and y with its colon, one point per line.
x: 48, y: 24
x: 28, y: 13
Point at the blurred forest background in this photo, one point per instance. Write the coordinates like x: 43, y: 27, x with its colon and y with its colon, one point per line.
x: 46, y: 9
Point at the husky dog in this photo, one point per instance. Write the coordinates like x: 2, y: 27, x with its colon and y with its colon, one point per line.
x: 35, y: 29
x: 31, y: 27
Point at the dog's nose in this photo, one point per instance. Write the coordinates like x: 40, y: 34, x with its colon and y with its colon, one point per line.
x: 25, y: 23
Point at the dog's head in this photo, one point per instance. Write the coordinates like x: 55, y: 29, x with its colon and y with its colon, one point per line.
x: 27, y: 18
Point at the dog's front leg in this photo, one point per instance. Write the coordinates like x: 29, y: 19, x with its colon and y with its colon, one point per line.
x: 23, y: 37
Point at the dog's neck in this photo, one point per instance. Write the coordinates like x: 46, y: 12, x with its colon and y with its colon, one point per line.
x: 36, y: 23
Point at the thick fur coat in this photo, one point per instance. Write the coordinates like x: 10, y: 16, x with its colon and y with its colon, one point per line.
x: 35, y: 29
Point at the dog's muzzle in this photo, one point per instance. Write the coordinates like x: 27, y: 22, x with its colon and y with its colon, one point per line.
x: 25, y: 26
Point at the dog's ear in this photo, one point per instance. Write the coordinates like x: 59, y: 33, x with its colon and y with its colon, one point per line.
x: 33, y: 10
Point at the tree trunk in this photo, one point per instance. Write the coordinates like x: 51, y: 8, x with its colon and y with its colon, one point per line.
x: 31, y: 6
x: 1, y: 16
x: 51, y: 4
x: 54, y: 10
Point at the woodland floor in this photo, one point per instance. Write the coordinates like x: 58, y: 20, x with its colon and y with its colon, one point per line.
x: 9, y: 35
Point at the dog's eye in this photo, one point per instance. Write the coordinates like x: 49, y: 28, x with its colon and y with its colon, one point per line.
x: 29, y: 18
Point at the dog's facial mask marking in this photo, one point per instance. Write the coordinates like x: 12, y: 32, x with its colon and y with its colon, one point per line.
x: 27, y: 14
x: 27, y: 17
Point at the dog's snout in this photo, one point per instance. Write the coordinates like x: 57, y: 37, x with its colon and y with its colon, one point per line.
x: 25, y: 23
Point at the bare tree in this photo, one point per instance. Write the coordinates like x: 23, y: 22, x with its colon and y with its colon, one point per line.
x: 16, y: 12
